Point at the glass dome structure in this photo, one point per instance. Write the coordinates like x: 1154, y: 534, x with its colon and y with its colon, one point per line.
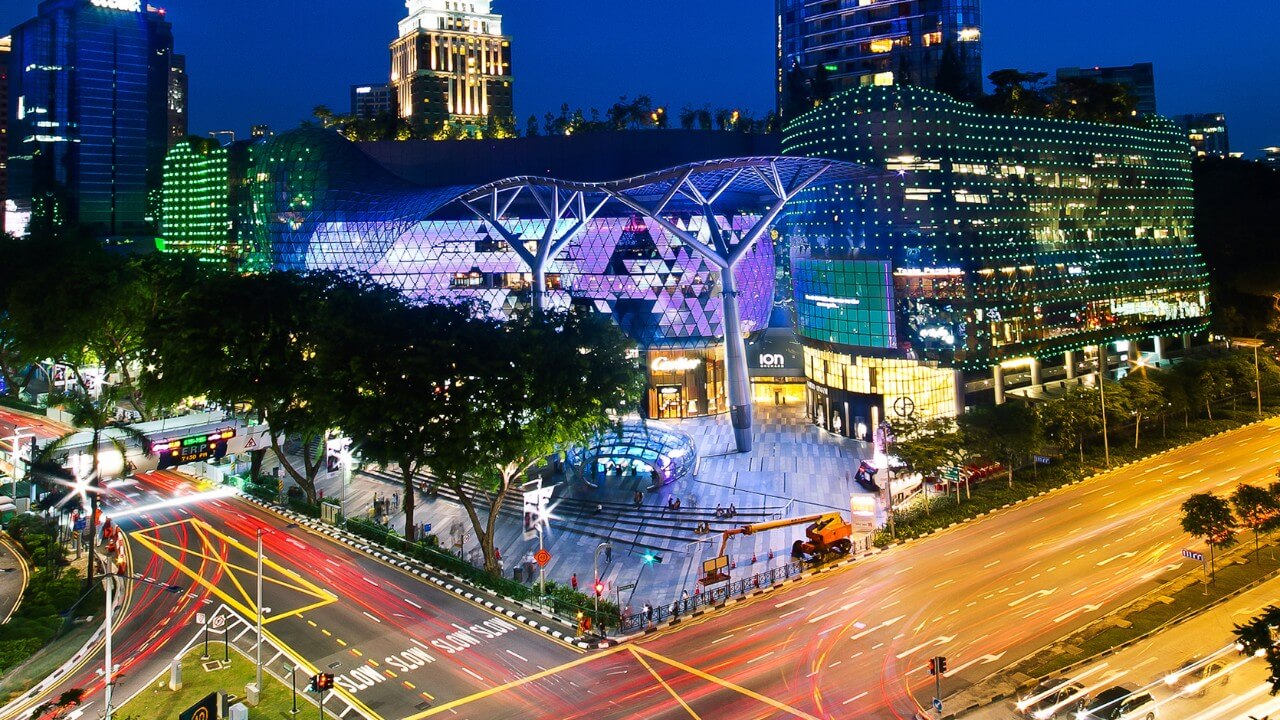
x: 637, y: 447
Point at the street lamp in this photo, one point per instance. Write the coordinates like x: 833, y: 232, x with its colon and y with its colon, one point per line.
x: 258, y: 645
x: 1257, y: 374
x: 108, y: 583
x: 1102, y: 393
x: 595, y: 573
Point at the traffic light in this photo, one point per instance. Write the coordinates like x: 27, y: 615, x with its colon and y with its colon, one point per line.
x: 942, y: 665
x: 933, y: 666
x: 651, y: 557
x: 320, y: 683
x: 599, y: 587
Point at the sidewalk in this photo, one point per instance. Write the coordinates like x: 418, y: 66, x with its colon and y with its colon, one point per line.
x: 796, y: 469
x: 1150, y: 661
x: 13, y: 577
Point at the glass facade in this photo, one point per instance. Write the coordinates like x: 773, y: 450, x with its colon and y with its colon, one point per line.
x: 1008, y: 237
x: 880, y: 42
x: 635, y: 449
x: 90, y: 114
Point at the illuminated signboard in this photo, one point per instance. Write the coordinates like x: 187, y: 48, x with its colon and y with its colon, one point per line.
x: 127, y: 5
x: 194, y: 448
x: 675, y: 365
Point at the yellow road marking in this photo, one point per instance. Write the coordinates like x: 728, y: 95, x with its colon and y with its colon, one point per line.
x: 356, y: 652
x: 515, y: 684
x: 326, y: 632
x: 410, y: 685
x: 427, y: 695
x: 232, y: 566
x: 724, y: 683
x: 341, y: 642
x: 664, y: 684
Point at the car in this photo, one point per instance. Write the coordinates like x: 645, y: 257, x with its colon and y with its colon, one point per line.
x: 1052, y: 699
x: 1120, y: 703
x: 1195, y: 676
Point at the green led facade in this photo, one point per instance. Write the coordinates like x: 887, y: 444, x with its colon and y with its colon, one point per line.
x: 1008, y: 237
x: 845, y: 302
x: 206, y: 208
x: 196, y: 216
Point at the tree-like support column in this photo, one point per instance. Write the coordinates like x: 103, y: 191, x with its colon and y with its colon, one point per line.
x: 726, y: 255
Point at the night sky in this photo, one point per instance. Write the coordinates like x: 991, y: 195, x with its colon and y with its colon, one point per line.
x: 271, y: 61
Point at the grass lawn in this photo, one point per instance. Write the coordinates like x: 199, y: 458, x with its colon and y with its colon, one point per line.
x: 1145, y: 617
x: 159, y: 702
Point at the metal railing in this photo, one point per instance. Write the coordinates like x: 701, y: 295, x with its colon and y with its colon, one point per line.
x: 652, y: 616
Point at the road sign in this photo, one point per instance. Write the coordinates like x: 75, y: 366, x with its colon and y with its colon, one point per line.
x: 219, y: 621
x: 1193, y: 555
x: 200, y: 618
x: 81, y: 523
x: 542, y: 557
x: 937, y: 704
x: 624, y: 588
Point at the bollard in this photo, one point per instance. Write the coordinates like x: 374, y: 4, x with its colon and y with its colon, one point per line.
x: 175, y: 675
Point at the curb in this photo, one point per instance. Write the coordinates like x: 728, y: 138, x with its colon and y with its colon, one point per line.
x: 442, y: 579
x: 985, y: 702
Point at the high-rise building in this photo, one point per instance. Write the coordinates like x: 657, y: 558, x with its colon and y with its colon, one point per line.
x: 1271, y: 157
x: 1139, y: 79
x: 1207, y: 133
x: 206, y: 196
x: 177, y: 99
x: 992, y: 244
x: 825, y: 46
x: 451, y: 65
x: 370, y: 101
x: 89, y: 114
x: 5, y: 44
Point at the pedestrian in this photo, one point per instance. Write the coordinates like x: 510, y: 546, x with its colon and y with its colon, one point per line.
x: 719, y: 510
x: 648, y: 613
x: 677, y: 507
x: 395, y: 499
x: 684, y: 596
x: 675, y: 610
x: 321, y: 492
x: 573, y: 582
x: 639, y: 498
x: 608, y: 554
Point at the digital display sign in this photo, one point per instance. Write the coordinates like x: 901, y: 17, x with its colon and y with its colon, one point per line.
x: 845, y: 302
x: 193, y: 448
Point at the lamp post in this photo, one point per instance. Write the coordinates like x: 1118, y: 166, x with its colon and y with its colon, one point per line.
x: 108, y: 583
x: 1102, y: 393
x: 595, y: 572
x: 258, y: 644
x: 1257, y: 374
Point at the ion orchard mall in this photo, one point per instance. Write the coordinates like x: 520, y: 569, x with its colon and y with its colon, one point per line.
x: 898, y: 250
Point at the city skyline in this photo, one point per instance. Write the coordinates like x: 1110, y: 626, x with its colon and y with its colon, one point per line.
x: 291, y: 78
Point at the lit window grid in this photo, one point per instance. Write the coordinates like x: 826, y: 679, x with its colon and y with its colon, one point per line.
x: 1080, y: 214
x: 819, y: 283
x: 931, y: 389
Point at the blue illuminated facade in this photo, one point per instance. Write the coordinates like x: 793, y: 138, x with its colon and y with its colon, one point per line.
x: 89, y: 115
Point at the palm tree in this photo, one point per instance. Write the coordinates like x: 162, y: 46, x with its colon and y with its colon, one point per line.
x: 97, y: 416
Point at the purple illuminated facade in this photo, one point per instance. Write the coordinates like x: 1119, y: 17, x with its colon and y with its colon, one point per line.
x: 661, y: 293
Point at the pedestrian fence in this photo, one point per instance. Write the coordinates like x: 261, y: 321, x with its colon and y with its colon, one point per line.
x: 634, y: 621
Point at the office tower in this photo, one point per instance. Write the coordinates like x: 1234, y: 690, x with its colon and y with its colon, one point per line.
x: 1207, y: 133
x: 451, y: 66
x: 178, y: 100
x: 5, y: 44
x: 1139, y: 79
x: 90, y: 115
x: 370, y: 101
x: 825, y: 47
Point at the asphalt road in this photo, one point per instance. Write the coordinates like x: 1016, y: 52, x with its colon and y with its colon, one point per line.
x: 396, y: 644
x: 855, y: 643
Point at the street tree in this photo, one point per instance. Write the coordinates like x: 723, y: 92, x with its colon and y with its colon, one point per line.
x: 929, y: 447
x: 1256, y: 508
x: 1068, y: 419
x: 400, y: 388
x: 265, y: 360
x: 1177, y: 401
x: 1144, y: 398
x: 524, y: 390
x: 97, y: 415
x: 1208, y: 517
x: 1257, y: 636
x: 1008, y: 433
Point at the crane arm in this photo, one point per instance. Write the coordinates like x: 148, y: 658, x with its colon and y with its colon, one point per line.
x: 770, y: 525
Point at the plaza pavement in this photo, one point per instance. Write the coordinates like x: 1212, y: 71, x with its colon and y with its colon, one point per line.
x: 795, y: 469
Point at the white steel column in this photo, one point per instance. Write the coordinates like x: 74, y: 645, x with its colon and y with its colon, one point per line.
x: 1069, y: 363
x: 997, y: 382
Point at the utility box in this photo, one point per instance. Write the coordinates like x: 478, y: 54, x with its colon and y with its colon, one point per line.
x: 329, y: 513
x: 251, y: 694
x: 239, y: 711
x: 175, y: 675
